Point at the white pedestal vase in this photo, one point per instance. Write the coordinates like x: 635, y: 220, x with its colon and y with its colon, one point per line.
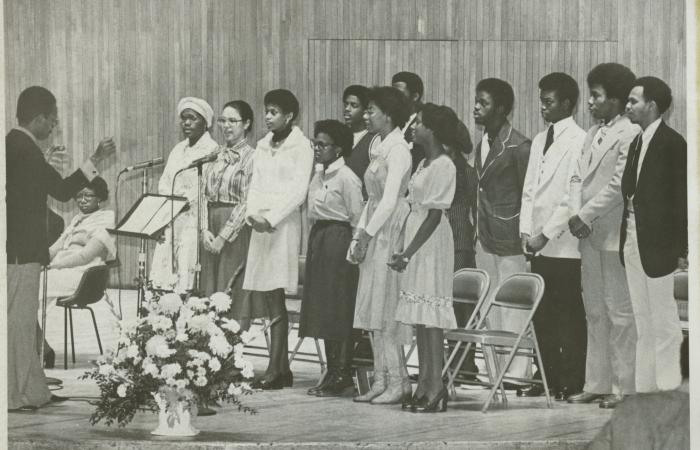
x: 175, y: 419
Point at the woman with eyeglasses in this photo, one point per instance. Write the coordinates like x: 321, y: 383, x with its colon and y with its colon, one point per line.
x: 225, y: 236
x: 281, y: 171
x: 330, y: 285
x: 175, y: 256
x: 84, y: 243
x: 378, y: 236
x: 427, y: 256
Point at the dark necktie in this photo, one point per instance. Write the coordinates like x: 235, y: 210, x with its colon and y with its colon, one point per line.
x: 550, y: 139
x: 630, y: 185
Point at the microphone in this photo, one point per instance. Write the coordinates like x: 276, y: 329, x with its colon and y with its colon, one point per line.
x: 145, y: 164
x: 203, y: 160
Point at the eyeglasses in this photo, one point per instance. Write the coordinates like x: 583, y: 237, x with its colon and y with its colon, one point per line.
x: 321, y: 145
x: 223, y: 121
x: 85, y: 196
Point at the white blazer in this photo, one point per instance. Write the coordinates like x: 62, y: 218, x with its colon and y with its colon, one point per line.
x: 544, y: 207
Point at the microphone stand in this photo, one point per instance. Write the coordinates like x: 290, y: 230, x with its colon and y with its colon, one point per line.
x: 142, y: 280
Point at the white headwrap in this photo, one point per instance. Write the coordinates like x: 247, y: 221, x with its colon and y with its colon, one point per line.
x: 198, y: 105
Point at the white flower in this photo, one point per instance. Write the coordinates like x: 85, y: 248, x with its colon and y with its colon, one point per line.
x: 170, y: 303
x: 234, y: 389
x: 171, y: 382
x: 246, y: 336
x: 170, y: 370
x: 159, y: 323
x: 190, y: 374
x: 201, y: 371
x: 106, y: 369
x: 231, y: 325
x: 220, y: 346
x: 197, y: 304
x: 163, y: 351
x: 199, y: 323
x: 150, y: 369
x: 200, y: 381
x: 132, y: 351
x: 181, y: 384
x: 121, y: 390
x: 247, y: 371
x: 181, y: 337
x: 214, y: 364
x: 158, y: 346
x: 239, y: 363
x: 245, y: 386
x: 220, y: 301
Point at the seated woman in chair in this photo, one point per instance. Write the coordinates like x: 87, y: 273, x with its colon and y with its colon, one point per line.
x: 84, y: 243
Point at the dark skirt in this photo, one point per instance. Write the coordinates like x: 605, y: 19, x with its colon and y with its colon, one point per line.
x: 227, y: 269
x: 330, y: 283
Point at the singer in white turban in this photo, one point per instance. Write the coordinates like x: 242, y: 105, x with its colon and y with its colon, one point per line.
x: 175, y: 256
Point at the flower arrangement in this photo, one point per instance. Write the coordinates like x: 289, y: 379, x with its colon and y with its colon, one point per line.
x: 182, y: 351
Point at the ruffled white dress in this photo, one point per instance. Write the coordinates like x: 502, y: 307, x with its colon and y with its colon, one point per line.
x: 426, y: 285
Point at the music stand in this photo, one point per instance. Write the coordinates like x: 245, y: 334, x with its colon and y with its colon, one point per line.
x: 145, y: 220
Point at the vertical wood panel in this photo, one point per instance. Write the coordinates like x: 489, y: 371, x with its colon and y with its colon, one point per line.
x: 118, y: 67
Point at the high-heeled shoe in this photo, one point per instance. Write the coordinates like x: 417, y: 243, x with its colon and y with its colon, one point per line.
x: 377, y: 389
x: 408, y: 404
x: 279, y: 381
x: 398, y: 391
x: 436, y: 404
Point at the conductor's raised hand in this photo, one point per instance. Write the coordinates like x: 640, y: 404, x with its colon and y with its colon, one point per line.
x: 105, y: 149
x: 57, y: 156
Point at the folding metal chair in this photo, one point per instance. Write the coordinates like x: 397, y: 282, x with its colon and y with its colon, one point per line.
x: 470, y: 287
x: 521, y: 291
x: 680, y: 293
x: 91, y: 289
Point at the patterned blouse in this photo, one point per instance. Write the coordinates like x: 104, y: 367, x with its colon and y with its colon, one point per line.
x: 226, y: 181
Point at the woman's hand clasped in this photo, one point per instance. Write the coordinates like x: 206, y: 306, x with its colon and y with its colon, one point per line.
x: 398, y: 262
x: 260, y: 224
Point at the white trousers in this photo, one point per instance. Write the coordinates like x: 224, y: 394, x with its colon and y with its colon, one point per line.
x: 659, y: 332
x: 611, y: 334
x: 499, y: 268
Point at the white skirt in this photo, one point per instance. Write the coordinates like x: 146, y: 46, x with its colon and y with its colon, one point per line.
x: 273, y: 258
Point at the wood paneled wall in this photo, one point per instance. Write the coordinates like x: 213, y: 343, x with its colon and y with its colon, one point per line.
x: 118, y: 67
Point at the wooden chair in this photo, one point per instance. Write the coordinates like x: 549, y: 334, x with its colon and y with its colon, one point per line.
x: 521, y: 291
x: 91, y: 289
x: 680, y: 293
x: 470, y: 287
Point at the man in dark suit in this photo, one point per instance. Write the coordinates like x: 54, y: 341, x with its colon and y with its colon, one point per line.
x: 355, y: 103
x: 30, y: 179
x: 411, y: 86
x: 501, y: 163
x: 654, y: 234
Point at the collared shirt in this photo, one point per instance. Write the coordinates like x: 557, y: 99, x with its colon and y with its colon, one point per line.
x: 227, y: 181
x: 603, y: 130
x: 485, y: 148
x: 408, y: 124
x: 646, y: 138
x: 336, y: 194
x: 357, y: 137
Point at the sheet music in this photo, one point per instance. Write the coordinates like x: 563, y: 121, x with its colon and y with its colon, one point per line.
x: 152, y: 214
x: 138, y: 221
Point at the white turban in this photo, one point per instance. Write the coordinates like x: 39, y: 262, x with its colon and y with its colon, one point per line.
x: 198, y: 105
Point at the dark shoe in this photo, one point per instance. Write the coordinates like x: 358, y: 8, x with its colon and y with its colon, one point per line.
x: 513, y: 387
x: 408, y: 403
x: 53, y: 381
x: 436, y: 404
x: 562, y: 394
x: 58, y: 399
x: 413, y: 378
x: 49, y: 358
x: 584, y: 397
x: 533, y: 390
x: 278, y: 382
x: 341, y: 385
x: 203, y: 410
x: 611, y: 401
x: 327, y: 379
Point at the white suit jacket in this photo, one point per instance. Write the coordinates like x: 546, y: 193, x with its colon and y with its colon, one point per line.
x: 544, y: 209
x: 597, y: 175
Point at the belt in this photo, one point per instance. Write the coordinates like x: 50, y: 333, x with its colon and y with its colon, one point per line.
x: 220, y: 205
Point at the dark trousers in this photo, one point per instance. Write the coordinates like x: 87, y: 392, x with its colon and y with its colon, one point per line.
x: 560, y: 322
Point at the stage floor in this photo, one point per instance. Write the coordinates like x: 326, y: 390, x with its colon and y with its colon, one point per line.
x: 291, y: 419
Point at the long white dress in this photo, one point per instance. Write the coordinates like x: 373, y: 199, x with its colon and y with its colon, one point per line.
x: 386, y: 180
x: 278, y: 188
x: 426, y: 285
x: 162, y: 274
